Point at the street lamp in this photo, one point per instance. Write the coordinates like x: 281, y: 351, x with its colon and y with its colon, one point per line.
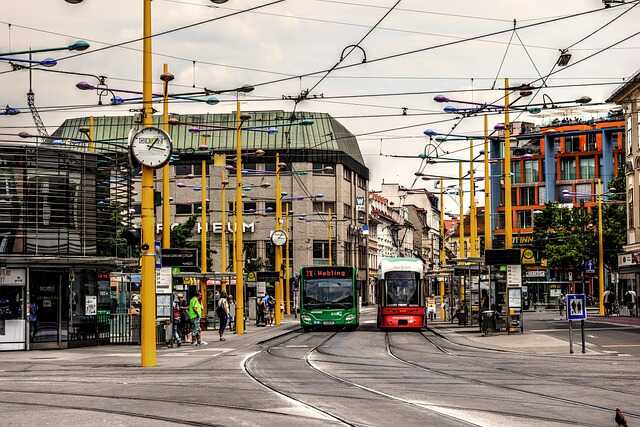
x: 78, y: 45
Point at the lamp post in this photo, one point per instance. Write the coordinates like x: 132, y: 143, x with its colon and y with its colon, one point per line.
x: 473, y: 220
x: 461, y: 230
x: 287, y: 274
x: 508, y: 214
x: 204, y: 228
x: 488, y: 238
x: 166, y: 77
x: 220, y: 160
x: 599, y: 196
x: 443, y: 257
x: 329, y: 236
x: 278, y: 227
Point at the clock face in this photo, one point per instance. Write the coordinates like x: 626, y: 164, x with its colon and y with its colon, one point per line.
x: 279, y: 238
x: 151, y: 147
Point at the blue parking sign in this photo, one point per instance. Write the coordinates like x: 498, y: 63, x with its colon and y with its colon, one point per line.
x: 576, y: 307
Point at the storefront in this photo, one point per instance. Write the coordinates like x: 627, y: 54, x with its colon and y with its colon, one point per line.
x: 13, y: 283
x: 46, y: 305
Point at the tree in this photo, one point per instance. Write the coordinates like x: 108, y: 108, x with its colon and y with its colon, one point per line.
x: 564, y: 236
x: 182, y: 234
x: 614, y: 218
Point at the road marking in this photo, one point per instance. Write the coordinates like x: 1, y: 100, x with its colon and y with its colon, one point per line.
x: 369, y: 321
x: 620, y: 328
x: 620, y: 345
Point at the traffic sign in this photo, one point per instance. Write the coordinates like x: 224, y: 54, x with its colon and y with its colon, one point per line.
x: 576, y: 307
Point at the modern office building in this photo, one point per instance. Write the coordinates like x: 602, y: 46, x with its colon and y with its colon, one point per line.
x: 563, y: 156
x: 324, y: 184
x: 629, y: 261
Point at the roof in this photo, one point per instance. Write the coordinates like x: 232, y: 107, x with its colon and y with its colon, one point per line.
x: 324, y: 134
x: 621, y: 91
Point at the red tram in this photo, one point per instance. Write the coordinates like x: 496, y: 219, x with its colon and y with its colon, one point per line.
x: 401, y: 294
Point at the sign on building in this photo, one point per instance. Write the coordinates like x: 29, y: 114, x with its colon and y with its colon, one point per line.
x: 360, y: 203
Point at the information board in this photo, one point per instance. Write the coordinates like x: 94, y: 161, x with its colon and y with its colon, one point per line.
x: 515, y: 297
x: 576, y: 307
x: 514, y: 275
x: 90, y: 305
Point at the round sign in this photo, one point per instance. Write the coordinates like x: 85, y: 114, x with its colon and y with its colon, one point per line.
x: 279, y: 238
x: 151, y: 147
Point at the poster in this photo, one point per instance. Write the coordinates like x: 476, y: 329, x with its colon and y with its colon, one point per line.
x: 515, y: 298
x: 90, y: 305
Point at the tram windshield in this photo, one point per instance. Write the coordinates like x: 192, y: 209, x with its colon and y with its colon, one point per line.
x: 328, y: 293
x: 401, y: 288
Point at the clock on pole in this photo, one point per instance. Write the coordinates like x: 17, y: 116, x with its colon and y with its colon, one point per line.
x: 279, y: 238
x: 150, y: 147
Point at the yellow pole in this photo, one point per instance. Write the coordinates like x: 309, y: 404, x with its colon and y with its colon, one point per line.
x: 508, y: 215
x: 599, y: 196
x: 473, y: 238
x: 166, y: 191
x: 443, y: 258
x: 239, y: 239
x: 148, y: 216
x: 287, y: 273
x: 461, y: 230
x: 278, y: 227
x: 329, y: 235
x: 221, y: 160
x: 461, y: 221
x: 92, y: 134
x: 488, y: 239
x: 203, y: 236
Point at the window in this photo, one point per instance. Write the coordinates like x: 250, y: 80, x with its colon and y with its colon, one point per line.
x: 542, y: 190
x: 270, y: 208
x: 587, y: 168
x: 362, y: 183
x: 197, y: 169
x: 323, y: 207
x: 591, y: 141
x: 323, y: 169
x: 531, y: 171
x: 629, y: 139
x: 515, y: 170
x: 183, y: 170
x: 321, y: 251
x: 347, y: 211
x: 527, y: 196
x: 525, y: 219
x: 183, y: 209
x: 571, y: 144
x: 249, y: 207
x: 567, y: 169
x: 630, y: 212
x: 556, y: 145
x: 231, y: 208
x: 250, y: 250
x: 250, y: 166
x: 346, y: 173
x: 348, y: 260
x: 583, y: 191
x: 270, y: 166
x: 197, y: 208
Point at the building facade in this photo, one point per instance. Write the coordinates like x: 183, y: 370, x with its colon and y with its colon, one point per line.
x: 323, y: 177
x: 627, y: 96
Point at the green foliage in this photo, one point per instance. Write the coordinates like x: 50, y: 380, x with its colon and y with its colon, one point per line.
x: 615, y: 221
x: 182, y: 234
x: 564, y: 236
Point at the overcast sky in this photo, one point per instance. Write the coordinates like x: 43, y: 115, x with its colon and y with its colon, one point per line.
x: 300, y: 36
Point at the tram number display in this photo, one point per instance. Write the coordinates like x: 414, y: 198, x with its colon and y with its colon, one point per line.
x: 327, y: 273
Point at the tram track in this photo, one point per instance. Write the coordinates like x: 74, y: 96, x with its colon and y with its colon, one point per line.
x: 151, y: 400
x: 549, y: 378
x: 499, y: 386
x: 288, y: 396
x: 379, y: 393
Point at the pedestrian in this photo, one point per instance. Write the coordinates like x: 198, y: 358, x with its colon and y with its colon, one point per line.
x: 185, y: 322
x: 195, y: 314
x: 223, y: 313
x: 561, y: 305
x: 445, y: 307
x: 269, y: 306
x: 232, y: 313
x: 177, y: 319
x: 631, y: 301
x: 260, y: 321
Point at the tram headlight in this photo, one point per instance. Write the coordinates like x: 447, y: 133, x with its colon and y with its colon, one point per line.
x: 350, y: 318
x: 306, y: 318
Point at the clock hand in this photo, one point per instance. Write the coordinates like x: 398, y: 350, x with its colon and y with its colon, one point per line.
x: 154, y: 143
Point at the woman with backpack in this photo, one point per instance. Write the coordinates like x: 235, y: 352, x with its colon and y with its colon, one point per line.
x: 223, y: 313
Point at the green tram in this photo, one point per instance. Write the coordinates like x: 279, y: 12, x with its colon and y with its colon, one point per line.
x: 329, y: 298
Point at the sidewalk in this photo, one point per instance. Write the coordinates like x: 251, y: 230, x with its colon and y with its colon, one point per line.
x: 529, y: 342
x: 129, y: 355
